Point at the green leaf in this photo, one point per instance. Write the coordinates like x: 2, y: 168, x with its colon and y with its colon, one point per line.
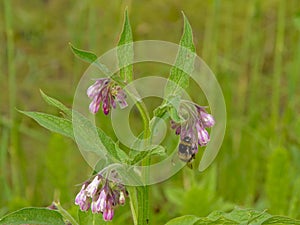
x: 183, y: 220
x: 184, y: 64
x: 137, y: 156
x: 90, y: 58
x: 87, y: 135
x: 125, y: 50
x: 236, y: 216
x: 57, y: 104
x: 281, y: 220
x: 53, y: 123
x: 84, y: 55
x: 174, y: 102
x: 170, y: 109
x: 33, y: 216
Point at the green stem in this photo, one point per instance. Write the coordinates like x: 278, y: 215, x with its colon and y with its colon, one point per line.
x: 143, y: 192
x: 12, y: 96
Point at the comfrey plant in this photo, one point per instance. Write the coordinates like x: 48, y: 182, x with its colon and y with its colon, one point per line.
x: 109, y: 188
x: 112, y: 182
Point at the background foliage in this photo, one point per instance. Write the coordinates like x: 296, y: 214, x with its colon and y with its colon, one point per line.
x: 253, y: 48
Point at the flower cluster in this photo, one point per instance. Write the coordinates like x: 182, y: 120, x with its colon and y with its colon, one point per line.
x: 106, y: 91
x: 194, y: 127
x: 101, y: 196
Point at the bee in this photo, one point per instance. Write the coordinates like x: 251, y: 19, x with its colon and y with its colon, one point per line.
x: 185, y: 150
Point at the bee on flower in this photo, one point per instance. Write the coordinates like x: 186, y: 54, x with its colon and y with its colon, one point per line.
x: 192, y: 130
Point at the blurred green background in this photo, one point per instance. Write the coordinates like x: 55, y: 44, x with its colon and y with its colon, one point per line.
x: 253, y: 47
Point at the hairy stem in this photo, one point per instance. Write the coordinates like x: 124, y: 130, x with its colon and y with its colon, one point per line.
x: 143, y: 191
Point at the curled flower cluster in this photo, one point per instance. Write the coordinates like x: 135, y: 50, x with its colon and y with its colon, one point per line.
x: 101, y: 196
x: 106, y: 91
x: 194, y: 126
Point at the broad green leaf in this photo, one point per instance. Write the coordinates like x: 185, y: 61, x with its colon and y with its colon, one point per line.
x: 250, y: 216
x: 87, y: 135
x: 53, y: 123
x: 184, y: 64
x: 53, y: 102
x: 125, y: 51
x: 88, y: 218
x: 238, y: 216
x: 33, y: 216
x: 235, y: 217
x: 184, y: 220
x: 179, y: 74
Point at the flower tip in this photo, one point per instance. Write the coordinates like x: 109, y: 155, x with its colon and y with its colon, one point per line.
x: 94, y: 107
x: 108, y: 214
x: 106, y: 111
x: 207, y: 119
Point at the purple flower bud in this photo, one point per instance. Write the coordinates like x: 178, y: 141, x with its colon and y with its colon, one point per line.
x: 92, y: 188
x: 203, y: 136
x: 178, y: 131
x: 120, y: 96
x: 207, y: 119
x: 94, y: 207
x: 81, y: 196
x: 101, y: 202
x: 94, y: 106
x: 105, y: 106
x: 108, y: 213
x: 84, y: 206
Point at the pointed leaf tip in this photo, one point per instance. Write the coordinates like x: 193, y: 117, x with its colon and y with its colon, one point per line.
x: 86, y: 56
x: 125, y: 50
